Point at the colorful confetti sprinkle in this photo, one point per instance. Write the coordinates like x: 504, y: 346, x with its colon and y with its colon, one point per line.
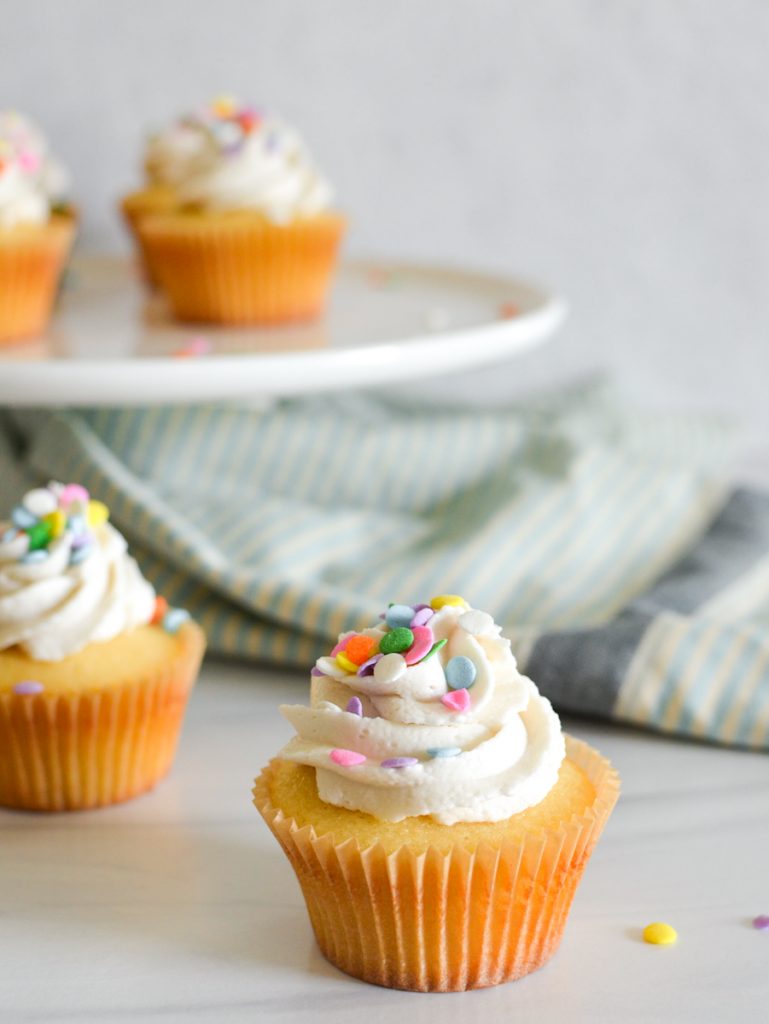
x: 399, y: 762
x: 346, y: 758
x: 398, y: 615
x: 396, y: 641
x: 28, y: 687
x: 367, y: 668
x: 460, y: 673
x: 174, y: 619
x: 435, y: 648
x: 448, y: 599
x: 354, y: 706
x: 456, y: 700
x: 421, y: 646
x: 660, y: 934
x: 344, y: 662
x: 509, y: 311
x: 761, y: 923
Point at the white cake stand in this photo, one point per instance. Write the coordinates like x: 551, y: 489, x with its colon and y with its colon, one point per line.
x: 112, y: 344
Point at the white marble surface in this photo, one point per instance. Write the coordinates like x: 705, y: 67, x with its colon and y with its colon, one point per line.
x: 181, y: 907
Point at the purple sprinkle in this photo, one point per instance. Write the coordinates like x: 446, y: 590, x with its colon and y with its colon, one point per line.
x: 367, y: 668
x: 419, y: 607
x: 316, y: 672
x: 761, y: 922
x: 28, y: 686
x: 354, y: 706
x: 399, y: 762
x: 81, y: 540
x: 422, y: 617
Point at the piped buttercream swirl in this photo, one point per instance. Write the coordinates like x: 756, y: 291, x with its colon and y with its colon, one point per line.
x: 484, y: 757
x: 32, y: 180
x: 64, y: 584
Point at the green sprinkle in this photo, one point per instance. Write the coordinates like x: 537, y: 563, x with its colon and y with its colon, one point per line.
x: 433, y: 650
x: 396, y: 641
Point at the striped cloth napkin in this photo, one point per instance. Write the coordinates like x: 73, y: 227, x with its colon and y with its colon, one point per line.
x: 633, y: 583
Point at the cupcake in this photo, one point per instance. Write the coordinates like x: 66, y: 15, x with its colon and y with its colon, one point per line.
x: 95, y: 670
x: 36, y: 228
x: 252, y: 238
x: 436, y: 817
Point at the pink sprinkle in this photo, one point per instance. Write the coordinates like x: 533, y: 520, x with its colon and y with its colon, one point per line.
x: 457, y: 700
x: 761, y: 922
x: 73, y: 492
x: 346, y: 758
x: 422, y: 617
x: 423, y: 641
x: 197, y: 345
x: 28, y: 161
x: 338, y: 647
x: 28, y: 686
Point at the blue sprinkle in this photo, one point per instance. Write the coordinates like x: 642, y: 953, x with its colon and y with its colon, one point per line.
x: 31, y: 557
x: 460, y: 673
x: 174, y: 619
x: 22, y: 518
x: 444, y: 751
x: 10, y: 535
x: 77, y: 524
x: 399, y: 615
x: 78, y: 555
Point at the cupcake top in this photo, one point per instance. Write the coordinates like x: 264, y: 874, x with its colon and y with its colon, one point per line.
x: 235, y: 157
x: 66, y: 578
x: 427, y: 714
x: 32, y: 181
x: 170, y: 155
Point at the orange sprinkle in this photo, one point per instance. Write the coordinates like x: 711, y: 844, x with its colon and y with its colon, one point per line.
x: 161, y: 607
x: 360, y: 648
x: 509, y: 311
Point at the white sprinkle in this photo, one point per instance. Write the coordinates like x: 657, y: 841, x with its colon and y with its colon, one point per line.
x: 389, y: 668
x: 40, y: 502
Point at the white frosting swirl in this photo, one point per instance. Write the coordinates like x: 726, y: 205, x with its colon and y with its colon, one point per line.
x: 266, y: 169
x: 53, y: 608
x: 170, y: 155
x: 31, y: 179
x: 506, y: 748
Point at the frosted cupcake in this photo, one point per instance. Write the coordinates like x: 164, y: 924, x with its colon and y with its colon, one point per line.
x: 95, y: 670
x: 36, y: 228
x: 435, y: 815
x: 253, y: 239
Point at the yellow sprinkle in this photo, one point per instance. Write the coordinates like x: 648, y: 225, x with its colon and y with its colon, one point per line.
x: 57, y: 520
x: 223, y: 106
x: 443, y: 599
x: 97, y: 514
x: 344, y: 662
x: 660, y: 934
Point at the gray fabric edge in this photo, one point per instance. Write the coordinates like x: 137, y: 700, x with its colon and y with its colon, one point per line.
x: 583, y: 671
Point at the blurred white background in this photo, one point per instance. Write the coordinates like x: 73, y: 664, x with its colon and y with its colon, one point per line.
x: 619, y: 151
